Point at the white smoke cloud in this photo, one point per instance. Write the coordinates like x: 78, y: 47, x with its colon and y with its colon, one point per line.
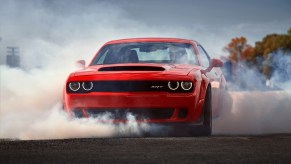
x: 251, y: 106
x: 55, y: 124
x: 280, y: 63
x: 31, y: 109
x: 254, y: 112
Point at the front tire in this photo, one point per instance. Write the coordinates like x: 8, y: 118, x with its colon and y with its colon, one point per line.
x: 206, y: 128
x: 207, y: 113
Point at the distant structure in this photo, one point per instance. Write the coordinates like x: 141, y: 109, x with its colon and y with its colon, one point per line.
x: 12, y: 59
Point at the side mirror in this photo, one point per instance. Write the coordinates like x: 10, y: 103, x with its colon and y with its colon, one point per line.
x: 213, y: 63
x: 216, y: 63
x: 81, y: 63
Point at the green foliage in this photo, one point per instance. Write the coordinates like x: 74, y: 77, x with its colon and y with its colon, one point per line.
x: 272, y: 43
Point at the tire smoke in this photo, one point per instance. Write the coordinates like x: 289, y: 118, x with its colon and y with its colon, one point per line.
x: 31, y: 109
x: 254, y: 113
x: 254, y: 105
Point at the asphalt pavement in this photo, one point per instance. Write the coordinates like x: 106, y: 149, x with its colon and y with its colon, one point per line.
x: 214, y: 149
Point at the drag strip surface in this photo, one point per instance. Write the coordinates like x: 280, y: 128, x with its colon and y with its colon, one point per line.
x: 221, y: 149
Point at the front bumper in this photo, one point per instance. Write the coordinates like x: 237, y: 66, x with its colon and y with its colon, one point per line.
x: 155, y: 107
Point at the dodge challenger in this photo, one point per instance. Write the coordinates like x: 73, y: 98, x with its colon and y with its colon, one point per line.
x: 166, y: 81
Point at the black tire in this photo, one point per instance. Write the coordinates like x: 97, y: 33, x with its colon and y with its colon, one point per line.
x: 206, y: 128
x: 207, y: 112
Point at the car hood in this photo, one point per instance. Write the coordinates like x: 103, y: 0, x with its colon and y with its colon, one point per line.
x: 168, y: 69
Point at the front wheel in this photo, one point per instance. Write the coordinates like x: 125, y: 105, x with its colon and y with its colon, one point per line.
x: 207, y: 113
x: 206, y: 128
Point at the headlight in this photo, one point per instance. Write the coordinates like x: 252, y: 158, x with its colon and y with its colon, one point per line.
x: 74, y: 86
x: 186, y: 85
x: 87, y: 86
x: 173, y: 85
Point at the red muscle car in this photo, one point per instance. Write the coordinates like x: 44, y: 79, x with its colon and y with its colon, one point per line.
x: 164, y: 81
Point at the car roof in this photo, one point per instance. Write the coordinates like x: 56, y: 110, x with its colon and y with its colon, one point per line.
x: 131, y: 40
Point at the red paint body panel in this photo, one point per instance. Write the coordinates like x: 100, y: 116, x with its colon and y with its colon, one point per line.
x: 191, y: 102
x: 140, y: 100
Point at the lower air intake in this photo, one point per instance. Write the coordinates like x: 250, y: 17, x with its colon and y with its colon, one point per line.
x: 139, y: 113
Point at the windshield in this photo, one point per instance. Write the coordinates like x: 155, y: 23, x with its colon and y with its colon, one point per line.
x: 146, y: 52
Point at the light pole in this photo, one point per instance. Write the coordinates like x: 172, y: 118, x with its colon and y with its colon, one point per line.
x: 13, y: 60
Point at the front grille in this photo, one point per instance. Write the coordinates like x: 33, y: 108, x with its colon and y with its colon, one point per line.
x: 139, y: 113
x: 130, y: 86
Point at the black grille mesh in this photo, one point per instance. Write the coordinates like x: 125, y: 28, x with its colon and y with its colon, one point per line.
x: 139, y: 113
x: 130, y: 86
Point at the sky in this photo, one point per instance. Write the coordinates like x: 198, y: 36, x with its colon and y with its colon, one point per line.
x: 47, y: 29
x: 213, y: 13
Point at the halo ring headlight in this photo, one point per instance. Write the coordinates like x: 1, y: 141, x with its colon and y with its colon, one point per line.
x: 173, y: 85
x: 74, y: 86
x: 87, y: 86
x: 186, y: 85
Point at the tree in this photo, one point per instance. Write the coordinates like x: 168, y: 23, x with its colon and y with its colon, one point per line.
x: 239, y: 50
x: 270, y: 56
x: 272, y: 44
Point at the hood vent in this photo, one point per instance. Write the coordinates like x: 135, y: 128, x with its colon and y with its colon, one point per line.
x: 132, y: 68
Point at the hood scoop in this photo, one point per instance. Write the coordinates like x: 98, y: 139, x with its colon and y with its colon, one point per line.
x: 131, y: 68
